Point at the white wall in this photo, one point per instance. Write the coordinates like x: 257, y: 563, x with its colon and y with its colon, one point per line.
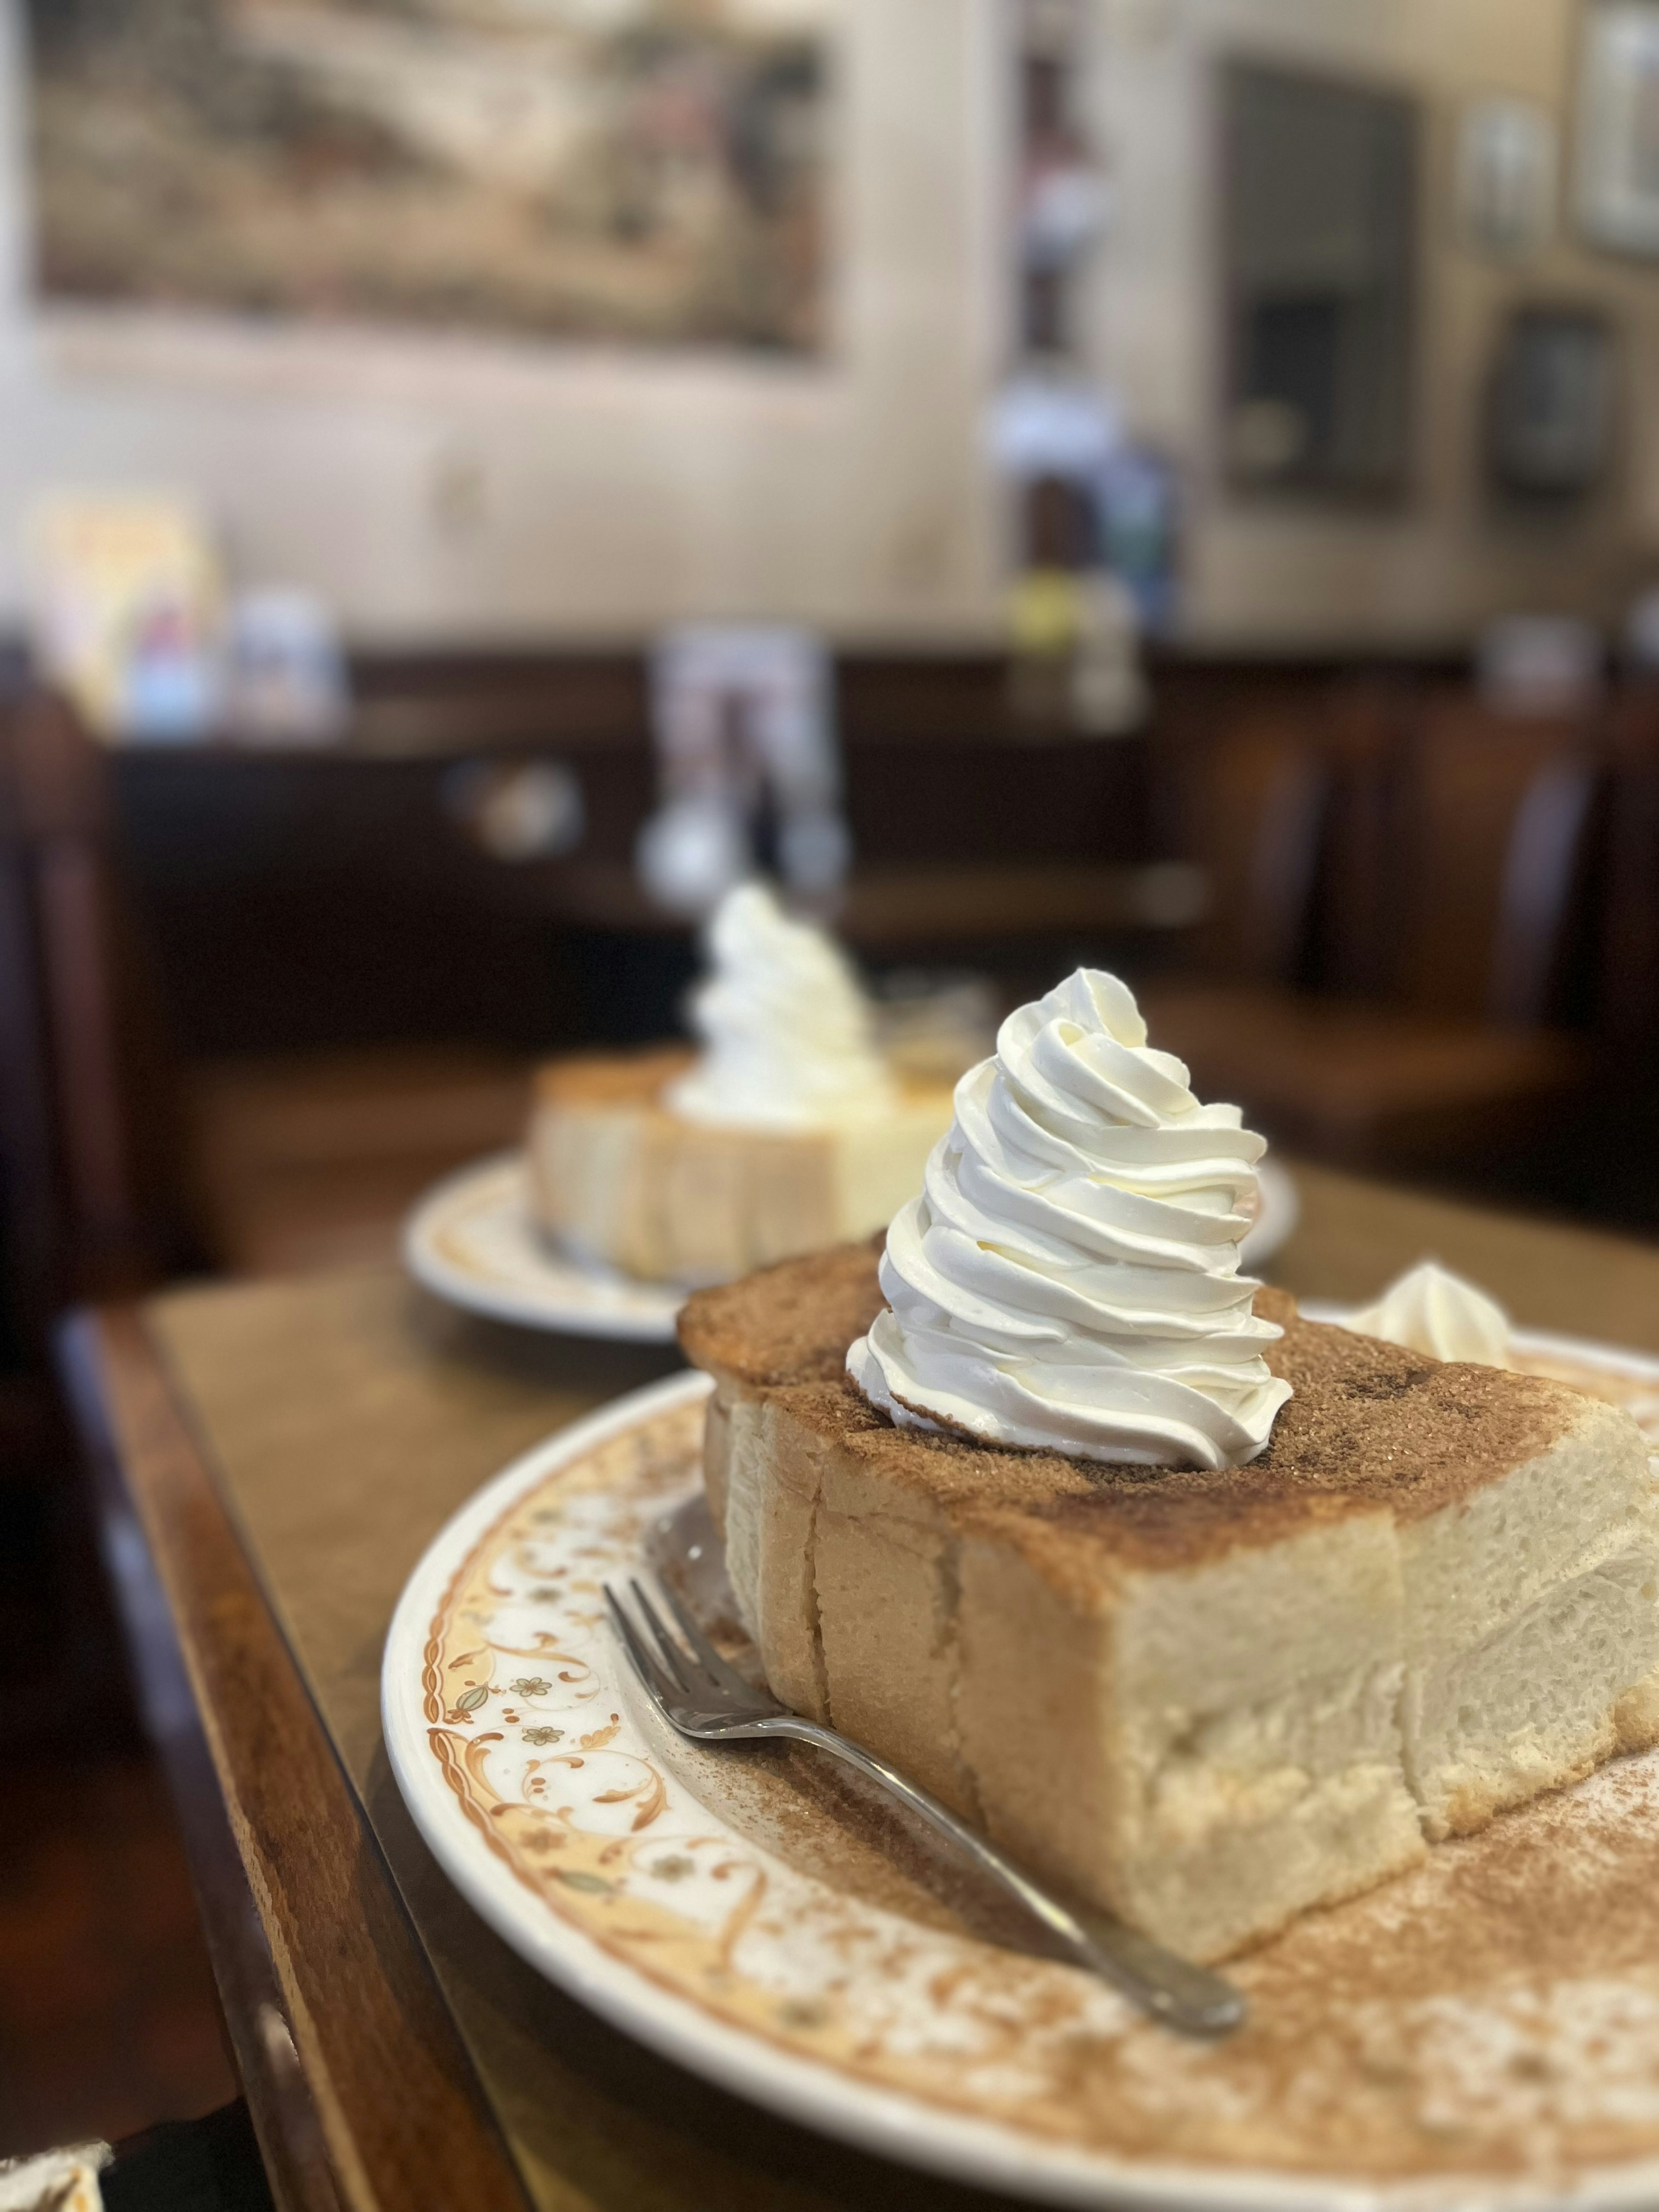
x: 472, y: 490
x: 1263, y: 572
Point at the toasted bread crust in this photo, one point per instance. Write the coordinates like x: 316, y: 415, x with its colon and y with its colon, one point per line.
x: 1370, y: 1424
x: 610, y: 1079
x: 788, y: 1324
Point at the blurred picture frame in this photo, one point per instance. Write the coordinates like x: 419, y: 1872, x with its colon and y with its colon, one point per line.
x: 1320, y: 248
x: 1507, y: 163
x: 1616, y: 179
x: 640, y: 174
x: 1552, y: 403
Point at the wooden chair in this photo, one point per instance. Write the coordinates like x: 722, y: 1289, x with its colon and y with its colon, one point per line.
x: 1629, y: 1011
x: 1487, y: 822
x: 123, y: 1163
x: 88, y: 1149
x: 85, y: 1193
x: 1498, y: 847
x: 1290, y: 809
x: 1254, y: 797
x: 312, y: 1159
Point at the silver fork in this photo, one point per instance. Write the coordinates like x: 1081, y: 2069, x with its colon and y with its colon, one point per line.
x: 698, y: 1694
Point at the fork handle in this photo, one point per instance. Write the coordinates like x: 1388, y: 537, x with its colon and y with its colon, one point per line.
x: 1176, y: 1992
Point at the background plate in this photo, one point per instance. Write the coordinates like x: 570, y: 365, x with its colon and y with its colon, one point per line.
x: 1280, y: 1210
x: 472, y: 1240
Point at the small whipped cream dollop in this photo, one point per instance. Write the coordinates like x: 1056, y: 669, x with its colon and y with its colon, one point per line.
x: 1432, y: 1311
x: 788, y: 1042
x: 1068, y: 1279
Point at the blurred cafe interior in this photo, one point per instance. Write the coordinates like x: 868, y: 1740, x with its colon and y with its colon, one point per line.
x: 1164, y: 486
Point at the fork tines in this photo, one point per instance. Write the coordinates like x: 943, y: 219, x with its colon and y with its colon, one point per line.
x: 677, y: 1673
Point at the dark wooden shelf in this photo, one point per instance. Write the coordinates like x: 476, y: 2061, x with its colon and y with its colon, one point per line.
x: 890, y: 909
x: 32, y: 1431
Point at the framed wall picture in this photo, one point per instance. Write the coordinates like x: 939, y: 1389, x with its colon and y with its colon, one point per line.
x: 637, y: 172
x: 1550, y: 427
x: 1506, y: 176
x: 1617, y: 166
x: 1320, y: 263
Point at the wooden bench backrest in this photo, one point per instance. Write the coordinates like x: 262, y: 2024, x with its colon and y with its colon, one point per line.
x: 87, y: 1150
x: 1501, y: 811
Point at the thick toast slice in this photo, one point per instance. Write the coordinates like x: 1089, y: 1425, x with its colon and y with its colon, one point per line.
x: 1205, y: 1700
x: 617, y: 1179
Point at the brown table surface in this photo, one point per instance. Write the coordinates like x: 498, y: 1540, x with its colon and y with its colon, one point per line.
x: 273, y: 1459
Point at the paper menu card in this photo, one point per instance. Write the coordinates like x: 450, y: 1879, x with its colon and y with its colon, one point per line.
x: 129, y: 612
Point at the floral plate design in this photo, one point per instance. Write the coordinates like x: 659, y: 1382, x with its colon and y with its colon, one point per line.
x: 1483, y: 2030
x: 472, y: 1240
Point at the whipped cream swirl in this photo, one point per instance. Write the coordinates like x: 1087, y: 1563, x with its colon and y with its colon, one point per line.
x: 1430, y: 1310
x: 1068, y: 1279
x: 789, y: 1043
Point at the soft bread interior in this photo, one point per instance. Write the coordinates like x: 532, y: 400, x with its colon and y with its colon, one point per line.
x: 1531, y: 1626
x: 1206, y: 1752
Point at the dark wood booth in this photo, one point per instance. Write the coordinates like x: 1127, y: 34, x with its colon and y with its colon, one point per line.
x: 252, y: 1000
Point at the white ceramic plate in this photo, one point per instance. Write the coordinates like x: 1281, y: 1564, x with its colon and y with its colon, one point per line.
x: 727, y: 1918
x: 472, y: 1240
x: 1279, y: 1210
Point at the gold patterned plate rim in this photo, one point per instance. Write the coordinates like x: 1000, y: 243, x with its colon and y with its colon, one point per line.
x: 600, y: 1848
x: 471, y: 1241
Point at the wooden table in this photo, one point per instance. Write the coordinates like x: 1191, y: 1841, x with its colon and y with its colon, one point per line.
x: 272, y: 1458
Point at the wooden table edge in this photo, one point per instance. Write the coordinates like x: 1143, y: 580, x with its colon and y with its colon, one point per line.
x: 362, y: 2095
